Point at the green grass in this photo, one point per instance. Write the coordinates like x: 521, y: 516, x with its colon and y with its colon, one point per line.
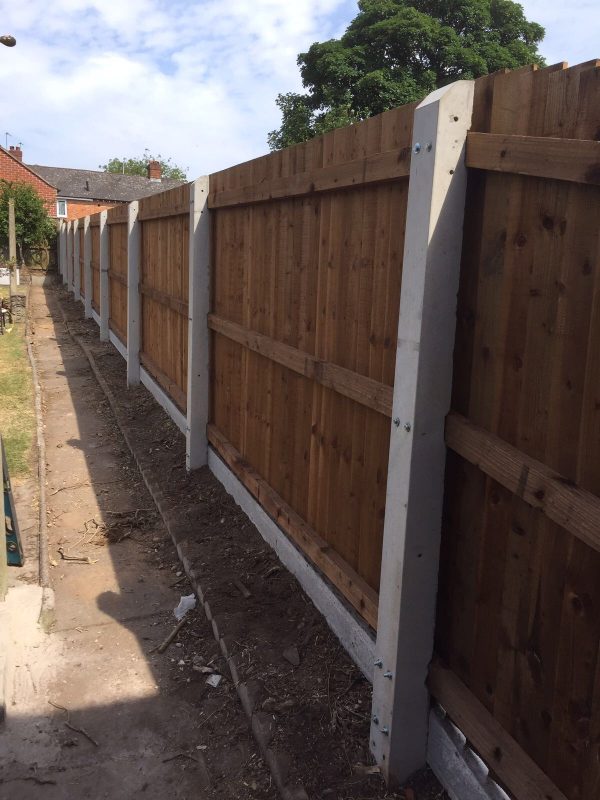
x: 17, y: 414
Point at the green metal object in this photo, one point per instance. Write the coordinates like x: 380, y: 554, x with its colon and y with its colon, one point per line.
x: 14, y: 549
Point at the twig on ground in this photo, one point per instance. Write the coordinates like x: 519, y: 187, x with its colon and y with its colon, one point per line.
x: 163, y: 645
x: 180, y: 755
x: 70, y: 725
x: 202, y: 722
x: 74, y: 486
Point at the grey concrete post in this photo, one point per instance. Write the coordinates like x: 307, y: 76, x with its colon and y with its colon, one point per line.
x: 198, y: 333
x: 70, y: 256
x: 76, y: 256
x: 133, y: 294
x: 104, y: 286
x: 87, y: 267
x: 423, y: 381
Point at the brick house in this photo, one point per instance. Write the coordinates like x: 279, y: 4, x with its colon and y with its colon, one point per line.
x: 81, y: 191
x: 73, y: 193
x: 13, y: 170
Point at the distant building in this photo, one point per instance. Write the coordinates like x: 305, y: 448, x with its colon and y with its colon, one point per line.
x: 13, y: 170
x: 73, y: 193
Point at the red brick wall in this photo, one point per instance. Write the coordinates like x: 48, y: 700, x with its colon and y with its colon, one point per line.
x: 76, y: 210
x: 13, y: 171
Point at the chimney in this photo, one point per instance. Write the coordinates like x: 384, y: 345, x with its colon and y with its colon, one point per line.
x: 154, y: 171
x: 16, y: 152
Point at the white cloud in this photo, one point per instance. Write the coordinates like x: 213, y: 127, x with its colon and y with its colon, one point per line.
x: 195, y: 80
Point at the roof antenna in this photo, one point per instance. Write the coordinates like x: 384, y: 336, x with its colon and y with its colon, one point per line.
x: 6, y: 135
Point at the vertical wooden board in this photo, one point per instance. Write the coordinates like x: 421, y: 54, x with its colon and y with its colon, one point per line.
x: 569, y: 753
x: 458, y: 579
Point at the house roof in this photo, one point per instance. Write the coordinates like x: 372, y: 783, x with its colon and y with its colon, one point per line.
x: 27, y: 167
x: 87, y: 184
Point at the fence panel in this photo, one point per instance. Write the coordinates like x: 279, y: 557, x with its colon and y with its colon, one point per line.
x: 164, y: 278
x: 519, y: 596
x: 306, y: 288
x: 95, y: 260
x: 116, y: 219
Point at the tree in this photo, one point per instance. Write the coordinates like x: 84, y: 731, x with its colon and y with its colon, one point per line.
x: 33, y: 225
x: 139, y: 166
x: 397, y: 51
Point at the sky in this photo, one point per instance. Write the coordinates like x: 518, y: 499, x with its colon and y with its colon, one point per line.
x: 193, y: 80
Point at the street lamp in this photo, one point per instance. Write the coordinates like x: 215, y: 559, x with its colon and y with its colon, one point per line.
x: 8, y: 40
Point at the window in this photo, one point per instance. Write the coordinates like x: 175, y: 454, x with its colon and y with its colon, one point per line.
x: 61, y: 208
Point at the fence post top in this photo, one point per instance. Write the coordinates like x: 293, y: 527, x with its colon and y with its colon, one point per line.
x: 459, y: 89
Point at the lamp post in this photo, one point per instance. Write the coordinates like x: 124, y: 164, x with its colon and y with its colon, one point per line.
x: 8, y: 41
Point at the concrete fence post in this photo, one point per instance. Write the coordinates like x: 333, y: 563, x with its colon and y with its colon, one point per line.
x: 417, y: 455
x: 62, y: 250
x: 76, y: 257
x: 104, y: 286
x: 198, y: 333
x: 87, y: 267
x: 69, y: 236
x: 133, y: 294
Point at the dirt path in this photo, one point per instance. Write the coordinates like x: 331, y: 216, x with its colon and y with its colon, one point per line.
x: 158, y: 729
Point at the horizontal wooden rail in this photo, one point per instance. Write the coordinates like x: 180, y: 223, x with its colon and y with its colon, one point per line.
x: 363, y: 390
x: 575, y: 509
x: 116, y: 276
x: 379, y: 168
x: 576, y: 160
x: 503, y: 755
x: 164, y: 382
x: 163, y: 213
x: 362, y: 597
x: 179, y: 306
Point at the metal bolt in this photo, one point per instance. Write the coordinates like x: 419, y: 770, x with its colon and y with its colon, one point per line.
x: 378, y: 663
x: 385, y: 730
x: 429, y: 147
x: 387, y: 675
x: 375, y: 719
x: 397, y: 421
x: 407, y: 427
x: 417, y: 148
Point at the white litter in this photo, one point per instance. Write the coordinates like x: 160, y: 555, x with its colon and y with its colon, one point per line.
x: 186, y: 603
x: 214, y: 680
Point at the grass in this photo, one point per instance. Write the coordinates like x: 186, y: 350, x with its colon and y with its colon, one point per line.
x: 17, y: 414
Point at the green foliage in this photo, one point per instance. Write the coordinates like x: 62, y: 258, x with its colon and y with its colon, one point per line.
x: 397, y: 51
x: 33, y: 225
x: 139, y: 166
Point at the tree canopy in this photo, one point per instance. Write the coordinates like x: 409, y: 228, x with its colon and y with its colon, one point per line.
x: 139, y: 166
x: 397, y: 51
x: 33, y: 225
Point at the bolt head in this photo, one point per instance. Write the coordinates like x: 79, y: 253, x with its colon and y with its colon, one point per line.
x: 397, y: 421
x: 375, y: 719
x: 387, y: 675
x: 407, y: 427
x: 385, y: 730
x: 417, y: 148
x: 378, y: 663
x: 429, y: 147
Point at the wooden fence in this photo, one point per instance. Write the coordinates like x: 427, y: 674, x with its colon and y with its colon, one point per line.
x: 95, y: 260
x: 117, y: 273
x: 307, y: 264
x: 307, y: 253
x: 519, y: 599
x: 164, y: 278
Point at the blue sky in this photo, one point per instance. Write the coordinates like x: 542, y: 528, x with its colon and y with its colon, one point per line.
x: 193, y: 80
